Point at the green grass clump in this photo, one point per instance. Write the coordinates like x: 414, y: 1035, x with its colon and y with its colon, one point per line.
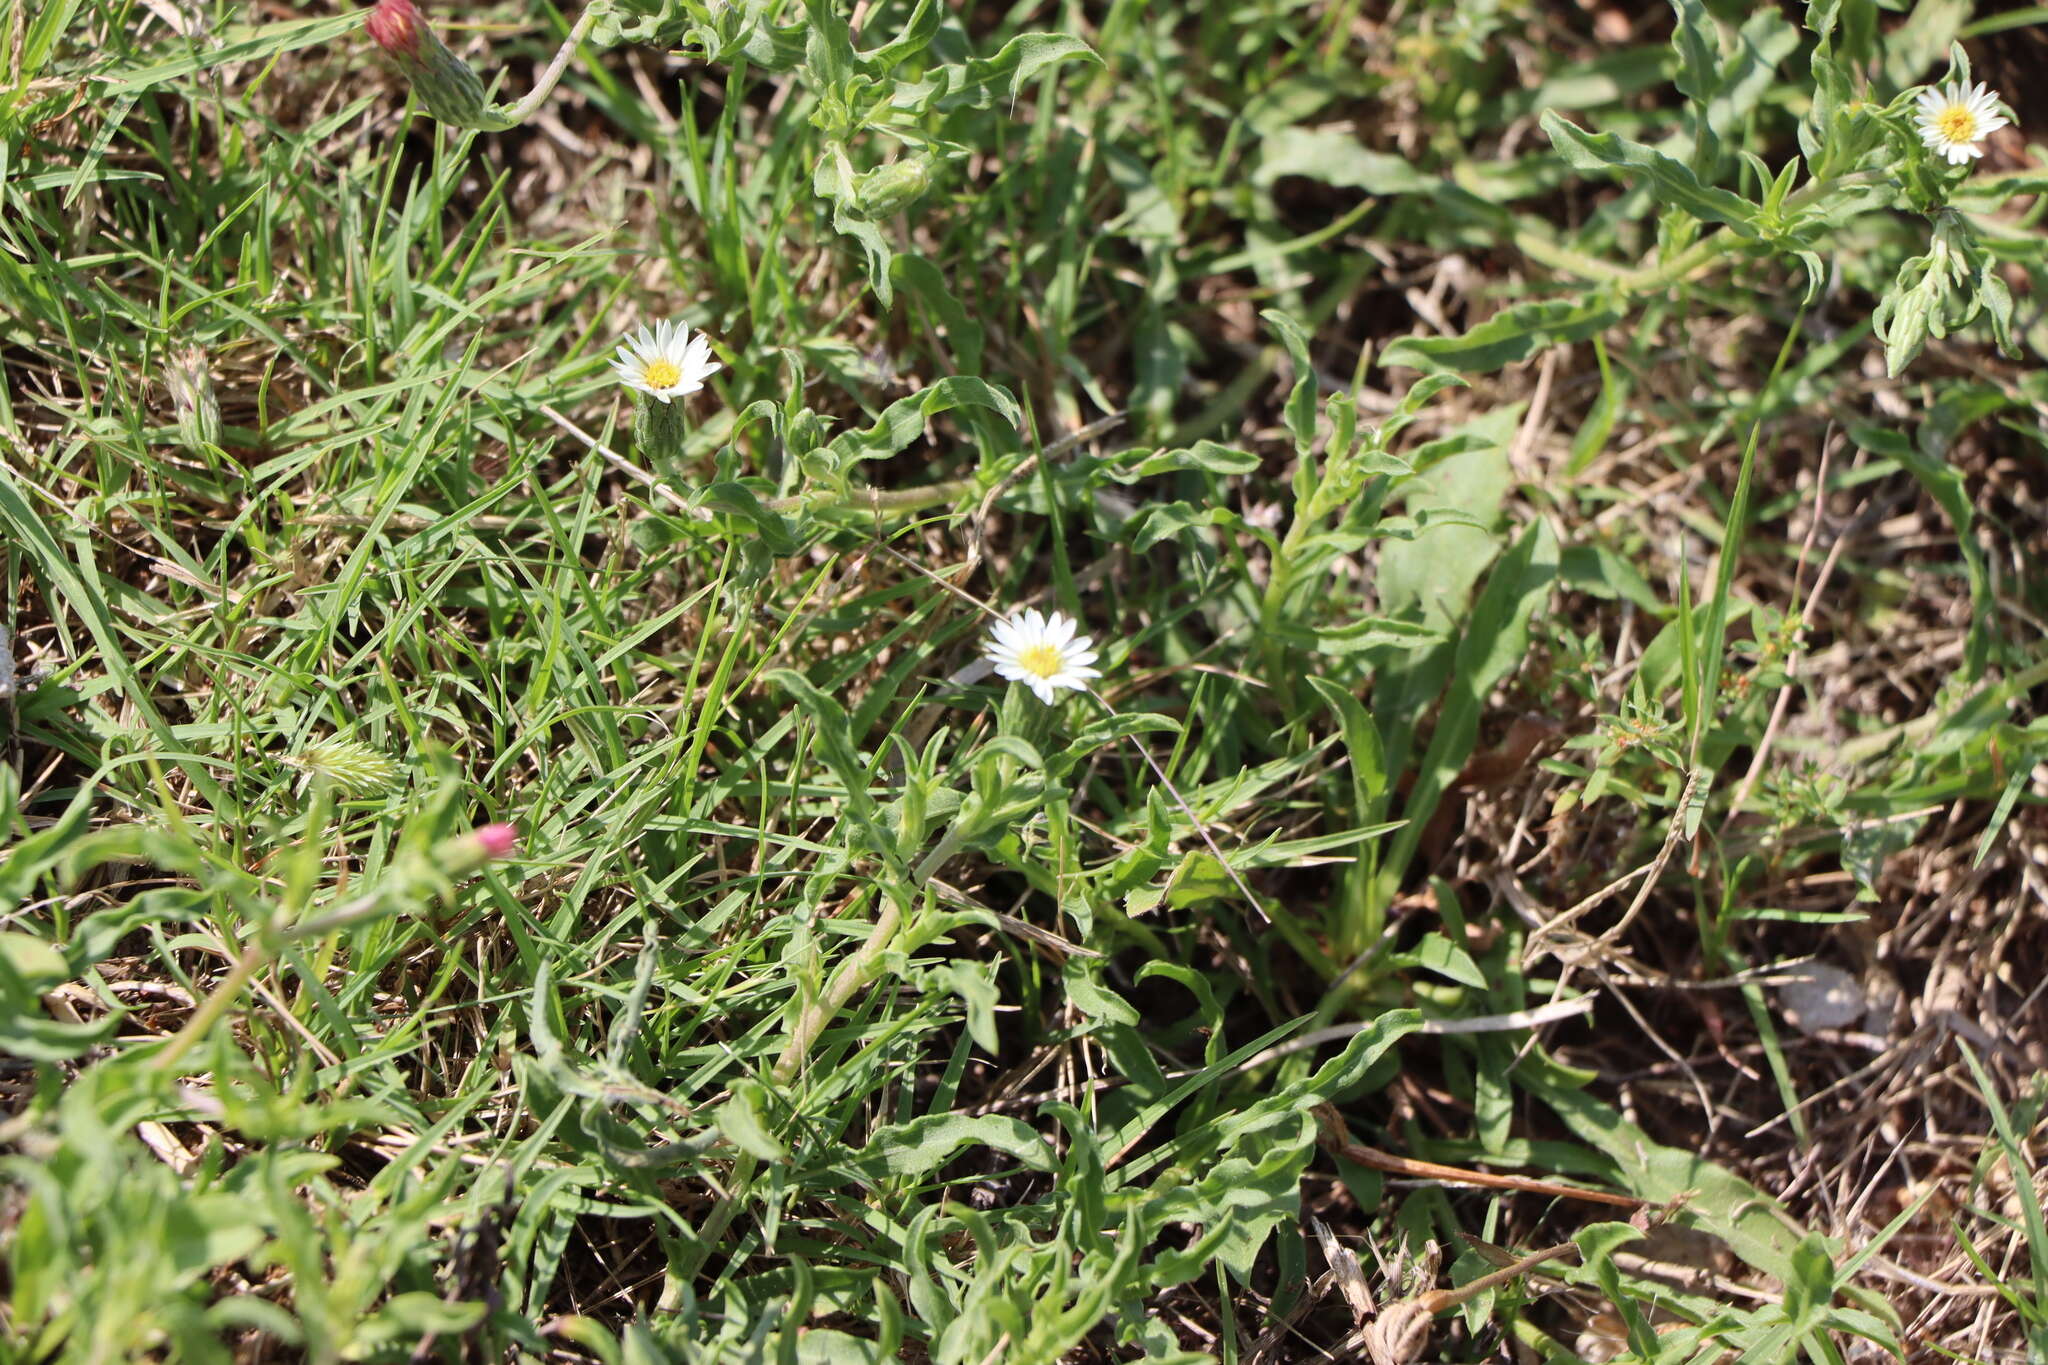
x: 499, y: 866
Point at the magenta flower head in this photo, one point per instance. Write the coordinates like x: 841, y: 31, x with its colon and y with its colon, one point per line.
x: 396, y: 26
x: 465, y: 853
x: 498, y: 840
x: 446, y: 85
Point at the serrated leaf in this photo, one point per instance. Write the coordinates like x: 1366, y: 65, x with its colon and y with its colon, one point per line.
x: 923, y: 1145
x: 1109, y: 729
x: 976, y: 84
x: 904, y: 420
x: 1673, y: 181
x: 1299, y: 412
x: 1157, y: 522
x: 1374, y: 632
x: 1243, y: 1200
x: 1508, y: 337
x: 1203, y: 455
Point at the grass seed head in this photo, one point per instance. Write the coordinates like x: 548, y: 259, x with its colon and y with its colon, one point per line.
x: 353, y: 767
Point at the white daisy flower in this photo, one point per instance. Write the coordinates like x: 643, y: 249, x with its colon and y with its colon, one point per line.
x: 665, y: 361
x: 1042, y: 652
x: 1954, y: 120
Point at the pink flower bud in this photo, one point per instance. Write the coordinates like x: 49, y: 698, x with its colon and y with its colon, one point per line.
x: 396, y: 25
x: 446, y: 85
x: 498, y: 840
x: 461, y: 854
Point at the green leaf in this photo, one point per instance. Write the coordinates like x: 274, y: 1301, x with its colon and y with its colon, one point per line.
x: 1200, y: 878
x: 1438, y: 954
x: 1763, y: 43
x: 1361, y: 745
x: 1300, y: 410
x: 924, y: 282
x: 1698, y: 44
x: 1495, y: 644
x: 1203, y: 455
x: 832, y: 732
x: 1699, y: 51
x: 1508, y: 337
x: 1429, y: 578
x: 258, y: 43
x: 1601, y: 417
x: 34, y: 961
x: 1105, y: 730
x: 1926, y: 460
x: 924, y: 1144
x: 1241, y: 1201
x: 1673, y: 182
x: 970, y: 981
x: 1753, y: 1224
x: 740, y: 1119
x: 1330, y: 1081
x: 738, y: 500
x: 1336, y: 157
x: 1092, y: 998
x: 1162, y: 521
x: 904, y: 420
x: 418, y: 1314
x: 976, y: 84
x: 1373, y: 632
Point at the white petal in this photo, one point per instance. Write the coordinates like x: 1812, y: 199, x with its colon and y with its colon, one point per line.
x: 1044, y: 690
x: 1058, y: 629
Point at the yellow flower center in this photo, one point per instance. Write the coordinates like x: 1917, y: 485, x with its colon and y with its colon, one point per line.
x: 1041, y: 660
x: 1956, y: 123
x: 660, y: 374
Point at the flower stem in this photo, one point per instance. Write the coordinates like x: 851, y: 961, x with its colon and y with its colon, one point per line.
x: 515, y: 114
x: 1649, y: 279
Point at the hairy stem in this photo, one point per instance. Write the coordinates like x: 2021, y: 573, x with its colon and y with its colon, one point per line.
x: 515, y: 114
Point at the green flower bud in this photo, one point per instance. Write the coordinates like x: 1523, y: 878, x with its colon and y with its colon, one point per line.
x: 658, y: 427
x: 446, y: 85
x: 887, y: 189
